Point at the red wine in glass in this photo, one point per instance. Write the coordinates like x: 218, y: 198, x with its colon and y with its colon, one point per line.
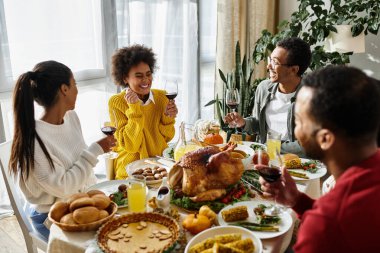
x: 108, y: 130
x: 233, y: 106
x: 171, y: 96
x: 270, y: 174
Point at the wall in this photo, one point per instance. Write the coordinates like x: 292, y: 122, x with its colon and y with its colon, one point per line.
x: 368, y: 61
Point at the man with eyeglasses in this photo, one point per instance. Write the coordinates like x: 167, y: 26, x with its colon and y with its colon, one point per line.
x: 337, y: 117
x: 275, y: 97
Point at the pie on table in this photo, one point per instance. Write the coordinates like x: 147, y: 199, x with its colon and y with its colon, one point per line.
x: 138, y: 232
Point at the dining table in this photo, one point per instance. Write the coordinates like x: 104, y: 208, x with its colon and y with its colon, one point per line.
x: 85, y: 242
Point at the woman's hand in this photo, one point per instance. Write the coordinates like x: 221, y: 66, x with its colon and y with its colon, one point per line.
x: 284, y: 189
x: 107, y: 143
x: 131, y: 96
x: 171, y: 109
x: 234, y: 118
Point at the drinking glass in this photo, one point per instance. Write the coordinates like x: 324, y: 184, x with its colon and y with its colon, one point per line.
x: 271, y: 174
x: 232, y: 101
x: 273, y: 144
x: 136, y: 191
x: 171, y: 88
x: 109, y: 127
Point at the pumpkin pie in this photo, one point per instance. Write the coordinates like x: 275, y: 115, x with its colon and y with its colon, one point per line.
x: 139, y: 232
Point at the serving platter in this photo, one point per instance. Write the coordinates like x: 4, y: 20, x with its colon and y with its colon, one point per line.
x: 322, y: 170
x: 146, y: 163
x: 284, y: 225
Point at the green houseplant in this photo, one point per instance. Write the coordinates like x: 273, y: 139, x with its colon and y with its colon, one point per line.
x: 313, y: 22
x: 239, y: 78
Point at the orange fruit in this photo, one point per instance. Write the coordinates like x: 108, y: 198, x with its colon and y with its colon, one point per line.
x: 213, y: 138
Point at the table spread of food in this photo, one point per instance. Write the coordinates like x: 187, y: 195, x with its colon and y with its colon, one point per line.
x: 210, y: 187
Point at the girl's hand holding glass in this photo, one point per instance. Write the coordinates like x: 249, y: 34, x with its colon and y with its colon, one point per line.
x: 107, y: 143
x: 171, y: 109
x: 131, y: 96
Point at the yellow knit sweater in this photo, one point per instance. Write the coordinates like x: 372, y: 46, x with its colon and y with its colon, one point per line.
x: 142, y: 131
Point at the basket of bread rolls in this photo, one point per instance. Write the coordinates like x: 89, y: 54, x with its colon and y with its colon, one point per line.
x: 82, y: 211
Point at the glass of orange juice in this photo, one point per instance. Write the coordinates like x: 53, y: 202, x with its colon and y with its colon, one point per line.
x: 136, y: 195
x: 273, y: 144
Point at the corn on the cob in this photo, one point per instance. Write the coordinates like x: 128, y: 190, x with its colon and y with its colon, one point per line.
x: 235, y: 214
x: 202, y: 246
x: 220, y: 248
x: 298, y: 174
x: 208, y: 243
x: 226, y: 238
x: 291, y: 161
x: 245, y: 245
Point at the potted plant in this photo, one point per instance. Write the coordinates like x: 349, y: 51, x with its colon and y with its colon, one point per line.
x: 239, y: 78
x: 314, y: 21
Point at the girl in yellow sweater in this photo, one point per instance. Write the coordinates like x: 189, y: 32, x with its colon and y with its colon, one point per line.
x: 145, y: 117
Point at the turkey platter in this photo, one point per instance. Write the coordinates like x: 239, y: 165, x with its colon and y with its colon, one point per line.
x: 204, y: 174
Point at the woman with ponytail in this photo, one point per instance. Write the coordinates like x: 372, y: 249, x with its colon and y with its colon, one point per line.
x: 49, y: 155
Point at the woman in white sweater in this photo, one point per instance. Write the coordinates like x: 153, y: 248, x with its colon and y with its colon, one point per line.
x: 49, y: 155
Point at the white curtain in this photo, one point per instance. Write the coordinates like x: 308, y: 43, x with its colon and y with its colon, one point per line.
x: 5, y: 65
x: 171, y: 29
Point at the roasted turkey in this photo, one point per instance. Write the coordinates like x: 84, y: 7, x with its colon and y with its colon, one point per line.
x: 205, y: 173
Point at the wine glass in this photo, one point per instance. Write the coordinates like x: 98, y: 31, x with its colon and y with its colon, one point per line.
x: 271, y: 174
x: 171, y: 88
x: 232, y: 101
x: 109, y: 127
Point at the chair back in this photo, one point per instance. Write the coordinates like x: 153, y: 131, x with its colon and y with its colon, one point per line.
x: 32, y: 238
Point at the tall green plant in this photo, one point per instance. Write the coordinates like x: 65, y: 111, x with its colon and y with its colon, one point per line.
x: 240, y: 78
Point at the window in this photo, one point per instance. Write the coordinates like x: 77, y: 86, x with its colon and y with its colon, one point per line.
x: 68, y: 31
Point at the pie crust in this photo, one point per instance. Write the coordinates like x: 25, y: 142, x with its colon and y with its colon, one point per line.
x: 138, y: 232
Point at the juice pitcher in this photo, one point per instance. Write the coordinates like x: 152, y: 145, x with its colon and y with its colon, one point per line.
x: 186, y: 142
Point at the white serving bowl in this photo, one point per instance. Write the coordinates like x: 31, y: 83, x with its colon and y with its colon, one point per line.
x: 220, y: 230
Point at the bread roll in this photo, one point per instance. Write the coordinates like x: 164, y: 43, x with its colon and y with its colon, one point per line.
x: 103, y: 214
x: 101, y: 201
x: 58, y: 210
x: 81, y: 202
x: 68, y: 219
x: 76, y: 196
x: 86, y: 214
x: 95, y: 192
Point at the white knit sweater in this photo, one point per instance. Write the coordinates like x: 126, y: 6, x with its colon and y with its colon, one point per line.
x: 73, y: 160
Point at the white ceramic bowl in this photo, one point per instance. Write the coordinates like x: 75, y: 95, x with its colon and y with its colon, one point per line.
x: 220, y: 230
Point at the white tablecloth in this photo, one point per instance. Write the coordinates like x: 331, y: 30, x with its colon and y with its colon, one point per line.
x: 77, y: 242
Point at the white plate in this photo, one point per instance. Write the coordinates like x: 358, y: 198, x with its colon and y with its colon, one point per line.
x: 249, y: 143
x: 322, y: 170
x: 109, y: 187
x: 285, y: 223
x: 144, y: 163
x: 225, y: 230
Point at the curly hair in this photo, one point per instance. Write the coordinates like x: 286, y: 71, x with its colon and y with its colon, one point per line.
x: 299, y: 53
x: 127, y: 57
x: 345, y: 100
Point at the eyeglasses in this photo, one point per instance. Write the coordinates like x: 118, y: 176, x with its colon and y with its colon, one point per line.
x: 273, y: 63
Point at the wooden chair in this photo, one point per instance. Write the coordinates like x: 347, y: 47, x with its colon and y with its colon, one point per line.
x: 32, y: 238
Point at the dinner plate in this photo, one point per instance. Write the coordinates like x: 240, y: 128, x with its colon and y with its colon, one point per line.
x: 109, y: 187
x: 221, y: 230
x: 249, y: 143
x: 146, y: 163
x: 322, y: 170
x: 285, y: 223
